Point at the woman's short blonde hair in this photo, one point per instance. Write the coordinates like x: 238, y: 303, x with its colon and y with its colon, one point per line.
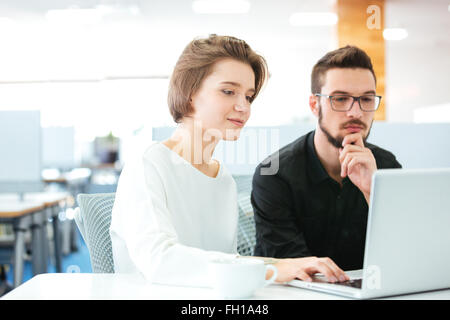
x: 195, y: 63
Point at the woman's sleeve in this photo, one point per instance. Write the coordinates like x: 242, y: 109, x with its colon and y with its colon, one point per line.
x: 150, y: 237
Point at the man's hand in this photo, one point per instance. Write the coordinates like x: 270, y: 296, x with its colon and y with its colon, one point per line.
x: 357, y: 162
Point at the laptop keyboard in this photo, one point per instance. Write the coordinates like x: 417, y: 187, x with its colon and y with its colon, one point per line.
x: 354, y: 283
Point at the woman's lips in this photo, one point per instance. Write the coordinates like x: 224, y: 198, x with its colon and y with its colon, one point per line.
x: 237, y: 122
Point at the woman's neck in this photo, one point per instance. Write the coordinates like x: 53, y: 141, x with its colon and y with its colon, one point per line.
x: 193, y: 143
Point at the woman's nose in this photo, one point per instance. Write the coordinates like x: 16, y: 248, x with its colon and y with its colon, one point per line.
x: 241, y: 108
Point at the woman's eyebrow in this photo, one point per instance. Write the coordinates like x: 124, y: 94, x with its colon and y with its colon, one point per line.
x: 236, y: 84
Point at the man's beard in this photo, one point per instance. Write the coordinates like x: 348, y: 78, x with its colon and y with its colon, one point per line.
x: 337, y: 141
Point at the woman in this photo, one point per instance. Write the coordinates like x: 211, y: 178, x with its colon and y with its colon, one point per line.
x: 176, y: 207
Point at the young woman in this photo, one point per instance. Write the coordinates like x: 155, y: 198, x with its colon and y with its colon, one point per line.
x: 176, y: 207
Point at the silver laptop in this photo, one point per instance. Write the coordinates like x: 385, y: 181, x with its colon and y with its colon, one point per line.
x: 408, y: 237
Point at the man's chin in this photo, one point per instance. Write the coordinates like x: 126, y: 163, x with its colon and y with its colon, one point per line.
x: 335, y: 142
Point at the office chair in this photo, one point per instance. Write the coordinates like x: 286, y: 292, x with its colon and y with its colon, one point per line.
x: 246, y: 227
x: 93, y: 220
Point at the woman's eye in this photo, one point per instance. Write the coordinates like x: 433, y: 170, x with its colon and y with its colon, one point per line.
x: 228, y: 92
x: 249, y: 98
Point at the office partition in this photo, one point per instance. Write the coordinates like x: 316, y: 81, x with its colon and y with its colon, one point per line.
x: 20, y: 149
x: 58, y: 145
x: 416, y: 145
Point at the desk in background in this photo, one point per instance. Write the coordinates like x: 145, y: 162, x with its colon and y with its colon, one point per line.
x: 21, y: 214
x: 32, y: 213
x: 74, y: 182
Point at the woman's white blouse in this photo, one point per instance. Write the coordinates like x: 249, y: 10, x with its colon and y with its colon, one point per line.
x: 169, y: 219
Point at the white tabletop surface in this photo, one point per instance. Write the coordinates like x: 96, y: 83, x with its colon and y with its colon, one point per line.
x: 90, y: 286
x: 36, y: 197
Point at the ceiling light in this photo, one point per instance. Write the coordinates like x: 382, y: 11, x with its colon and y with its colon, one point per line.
x: 220, y: 7
x: 395, y: 34
x: 313, y: 19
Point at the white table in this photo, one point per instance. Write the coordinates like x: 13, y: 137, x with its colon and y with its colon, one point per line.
x: 95, y: 286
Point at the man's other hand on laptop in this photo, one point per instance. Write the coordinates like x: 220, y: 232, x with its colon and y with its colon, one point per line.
x: 304, y: 268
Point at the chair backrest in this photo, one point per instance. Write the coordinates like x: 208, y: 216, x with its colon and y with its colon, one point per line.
x: 246, y: 228
x: 93, y: 220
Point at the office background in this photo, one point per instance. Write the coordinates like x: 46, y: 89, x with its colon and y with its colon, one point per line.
x: 91, y: 78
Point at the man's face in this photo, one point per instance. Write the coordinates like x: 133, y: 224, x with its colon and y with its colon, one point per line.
x: 334, y: 124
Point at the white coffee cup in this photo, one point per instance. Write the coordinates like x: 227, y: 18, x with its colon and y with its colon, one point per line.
x: 239, y: 278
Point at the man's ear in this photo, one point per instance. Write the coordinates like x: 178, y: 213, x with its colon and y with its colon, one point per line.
x: 314, y: 105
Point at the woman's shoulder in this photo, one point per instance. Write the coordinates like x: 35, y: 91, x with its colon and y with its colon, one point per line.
x: 145, y: 154
x: 154, y: 151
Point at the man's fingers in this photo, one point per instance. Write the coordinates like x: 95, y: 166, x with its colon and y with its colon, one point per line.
x: 338, y: 272
x: 331, y: 271
x: 349, y: 148
x: 302, y: 275
x: 344, y: 165
x: 350, y: 160
x: 326, y: 270
x: 354, y: 162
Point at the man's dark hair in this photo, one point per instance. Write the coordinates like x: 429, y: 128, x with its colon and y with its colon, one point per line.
x: 345, y: 57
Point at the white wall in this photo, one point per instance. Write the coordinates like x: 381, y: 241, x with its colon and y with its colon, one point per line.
x: 414, y: 145
x: 137, y: 48
x: 416, y: 77
x: 58, y: 147
x: 418, y: 67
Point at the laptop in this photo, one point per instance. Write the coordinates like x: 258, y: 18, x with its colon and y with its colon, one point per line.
x: 407, y: 247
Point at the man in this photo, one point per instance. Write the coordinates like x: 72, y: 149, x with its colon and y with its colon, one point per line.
x: 317, y: 202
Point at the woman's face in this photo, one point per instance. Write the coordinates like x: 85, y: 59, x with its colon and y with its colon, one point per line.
x: 222, y: 103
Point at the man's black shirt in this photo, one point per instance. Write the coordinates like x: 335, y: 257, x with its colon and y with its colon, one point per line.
x: 301, y: 211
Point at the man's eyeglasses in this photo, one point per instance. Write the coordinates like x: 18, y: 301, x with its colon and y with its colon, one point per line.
x: 344, y: 103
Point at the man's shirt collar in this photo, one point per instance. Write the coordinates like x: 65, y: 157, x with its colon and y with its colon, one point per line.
x: 317, y: 173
